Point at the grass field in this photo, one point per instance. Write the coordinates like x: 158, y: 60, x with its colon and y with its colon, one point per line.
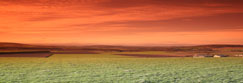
x: 108, y: 68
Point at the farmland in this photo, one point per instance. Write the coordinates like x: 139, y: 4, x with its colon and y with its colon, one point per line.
x: 110, y: 68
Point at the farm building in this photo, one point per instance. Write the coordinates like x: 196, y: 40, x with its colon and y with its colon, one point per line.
x: 239, y: 55
x: 201, y: 55
x: 217, y: 55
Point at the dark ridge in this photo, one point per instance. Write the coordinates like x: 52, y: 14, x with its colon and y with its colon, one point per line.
x: 220, y: 45
x: 28, y: 47
x: 26, y: 54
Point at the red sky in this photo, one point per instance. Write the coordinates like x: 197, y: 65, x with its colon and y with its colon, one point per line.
x: 122, y: 22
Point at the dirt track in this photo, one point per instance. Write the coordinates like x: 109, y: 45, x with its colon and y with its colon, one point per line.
x: 75, y: 53
x: 149, y: 55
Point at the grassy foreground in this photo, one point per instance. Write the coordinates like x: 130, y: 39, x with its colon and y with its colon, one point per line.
x: 107, y: 68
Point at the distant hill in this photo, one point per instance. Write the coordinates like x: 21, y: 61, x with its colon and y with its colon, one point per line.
x: 6, y: 44
x: 19, y: 46
x: 221, y: 46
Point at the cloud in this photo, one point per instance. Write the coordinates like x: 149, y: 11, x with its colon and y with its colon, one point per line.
x: 127, y: 9
x: 205, y: 23
x: 118, y: 18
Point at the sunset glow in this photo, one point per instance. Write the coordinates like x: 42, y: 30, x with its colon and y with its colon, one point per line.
x: 122, y: 22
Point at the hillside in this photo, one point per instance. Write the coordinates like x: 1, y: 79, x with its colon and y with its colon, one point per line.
x: 19, y: 46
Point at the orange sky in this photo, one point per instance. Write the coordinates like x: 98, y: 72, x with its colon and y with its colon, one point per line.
x: 122, y: 22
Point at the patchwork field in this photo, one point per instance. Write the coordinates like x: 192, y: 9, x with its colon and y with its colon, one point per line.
x: 108, y: 68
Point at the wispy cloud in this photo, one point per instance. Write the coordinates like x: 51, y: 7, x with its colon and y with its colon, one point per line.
x: 118, y: 17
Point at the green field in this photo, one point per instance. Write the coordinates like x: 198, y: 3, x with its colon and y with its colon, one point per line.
x: 107, y: 68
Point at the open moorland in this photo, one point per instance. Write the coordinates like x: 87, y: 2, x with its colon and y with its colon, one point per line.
x: 119, y: 64
x: 169, y: 51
